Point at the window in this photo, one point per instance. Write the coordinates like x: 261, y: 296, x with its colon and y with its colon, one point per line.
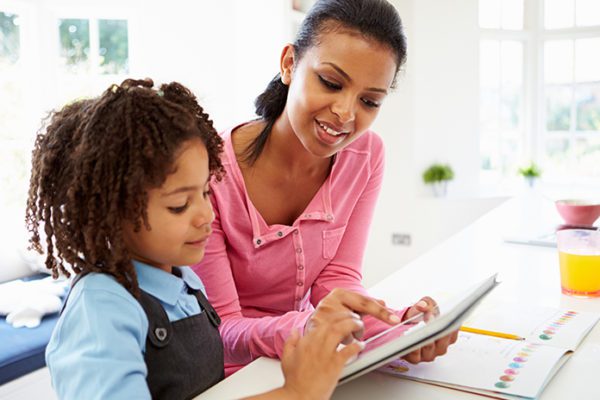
x: 13, y: 114
x: 106, y: 53
x: 80, y: 57
x: 92, y: 54
x: 540, y: 88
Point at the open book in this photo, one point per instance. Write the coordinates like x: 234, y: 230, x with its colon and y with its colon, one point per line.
x: 505, y: 368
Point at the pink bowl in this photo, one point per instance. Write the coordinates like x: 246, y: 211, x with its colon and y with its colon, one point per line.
x: 578, y: 212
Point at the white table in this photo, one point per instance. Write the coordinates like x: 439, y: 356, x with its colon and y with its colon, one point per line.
x: 529, y: 274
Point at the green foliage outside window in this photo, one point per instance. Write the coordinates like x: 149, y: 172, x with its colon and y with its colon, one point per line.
x: 74, y: 40
x: 114, y: 46
x: 9, y: 38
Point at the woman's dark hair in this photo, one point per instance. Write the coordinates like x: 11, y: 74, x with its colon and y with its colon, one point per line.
x: 374, y: 19
x: 93, y: 165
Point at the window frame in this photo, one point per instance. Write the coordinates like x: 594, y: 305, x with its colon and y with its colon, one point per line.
x: 534, y: 35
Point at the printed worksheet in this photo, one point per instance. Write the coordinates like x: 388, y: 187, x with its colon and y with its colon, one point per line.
x: 500, y: 367
x: 486, y: 363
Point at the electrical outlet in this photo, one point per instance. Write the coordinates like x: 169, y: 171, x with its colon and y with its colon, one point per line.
x: 400, y: 239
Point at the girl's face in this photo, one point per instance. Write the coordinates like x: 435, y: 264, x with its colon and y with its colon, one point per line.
x: 179, y: 214
x: 336, y: 89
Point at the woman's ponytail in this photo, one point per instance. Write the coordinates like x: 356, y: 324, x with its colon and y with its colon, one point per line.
x: 269, y: 106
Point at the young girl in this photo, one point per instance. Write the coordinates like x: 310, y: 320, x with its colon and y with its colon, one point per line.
x: 119, y: 192
x: 293, y: 214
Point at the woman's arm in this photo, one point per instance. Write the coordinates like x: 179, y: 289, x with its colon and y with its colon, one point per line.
x: 345, y: 268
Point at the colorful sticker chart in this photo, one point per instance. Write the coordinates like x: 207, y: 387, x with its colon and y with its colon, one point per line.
x: 500, y: 367
x: 552, y: 328
x: 517, y: 363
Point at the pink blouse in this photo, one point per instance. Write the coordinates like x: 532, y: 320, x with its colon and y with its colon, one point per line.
x: 264, y: 281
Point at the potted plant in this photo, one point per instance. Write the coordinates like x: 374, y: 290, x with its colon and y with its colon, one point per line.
x: 530, y: 173
x: 438, y: 175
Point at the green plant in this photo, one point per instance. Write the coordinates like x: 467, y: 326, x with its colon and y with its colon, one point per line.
x: 531, y: 171
x: 438, y: 173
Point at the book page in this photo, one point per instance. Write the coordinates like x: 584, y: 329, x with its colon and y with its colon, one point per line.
x: 550, y: 326
x: 506, y: 366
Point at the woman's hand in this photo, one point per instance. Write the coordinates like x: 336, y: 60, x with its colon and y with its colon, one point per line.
x: 344, y: 301
x: 424, y: 310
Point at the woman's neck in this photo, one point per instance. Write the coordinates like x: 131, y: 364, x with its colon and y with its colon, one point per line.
x: 285, y: 149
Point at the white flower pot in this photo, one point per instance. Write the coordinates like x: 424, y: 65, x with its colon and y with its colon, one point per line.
x: 439, y: 188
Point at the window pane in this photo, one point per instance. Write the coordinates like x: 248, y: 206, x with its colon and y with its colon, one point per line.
x: 510, y: 108
x: 558, y: 108
x: 512, y: 78
x: 489, y: 78
x: 489, y: 109
x: 587, y: 56
x: 488, y: 150
x: 559, y: 13
x: 558, y: 61
x: 512, y: 63
x: 9, y: 38
x: 489, y: 64
x: 586, y: 157
x: 511, y: 152
x: 587, y: 12
x: 587, y: 99
x: 512, y: 14
x: 557, y: 155
x: 489, y: 14
x: 114, y: 46
x: 74, y: 43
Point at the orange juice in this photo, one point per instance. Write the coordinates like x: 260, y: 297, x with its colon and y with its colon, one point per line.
x: 580, y: 274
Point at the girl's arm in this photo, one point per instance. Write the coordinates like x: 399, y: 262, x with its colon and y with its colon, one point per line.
x: 96, y: 349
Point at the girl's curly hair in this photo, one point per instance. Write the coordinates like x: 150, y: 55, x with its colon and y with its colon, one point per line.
x: 93, y: 166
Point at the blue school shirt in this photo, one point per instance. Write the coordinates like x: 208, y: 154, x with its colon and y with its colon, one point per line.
x: 97, y: 348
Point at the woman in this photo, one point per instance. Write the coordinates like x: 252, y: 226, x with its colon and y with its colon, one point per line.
x: 293, y: 214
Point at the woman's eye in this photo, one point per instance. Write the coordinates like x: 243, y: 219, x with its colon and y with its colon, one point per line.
x: 206, y: 193
x: 178, y: 210
x: 370, y: 103
x: 329, y: 84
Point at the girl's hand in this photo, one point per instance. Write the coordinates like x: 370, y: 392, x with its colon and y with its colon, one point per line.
x: 312, y: 364
x: 428, y: 308
x: 345, y: 301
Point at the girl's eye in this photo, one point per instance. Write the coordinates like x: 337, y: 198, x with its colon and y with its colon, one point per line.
x: 329, y: 84
x: 178, y: 210
x: 206, y: 193
x: 370, y: 103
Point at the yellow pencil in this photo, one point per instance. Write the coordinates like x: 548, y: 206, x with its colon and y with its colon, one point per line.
x: 491, y: 333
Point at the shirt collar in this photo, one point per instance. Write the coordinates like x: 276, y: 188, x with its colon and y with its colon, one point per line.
x: 164, y: 286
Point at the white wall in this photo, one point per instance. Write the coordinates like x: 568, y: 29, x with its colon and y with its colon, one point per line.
x: 225, y: 51
x: 432, y: 117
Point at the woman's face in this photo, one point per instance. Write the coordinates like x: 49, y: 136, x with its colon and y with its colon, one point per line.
x: 336, y: 89
x: 179, y: 214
